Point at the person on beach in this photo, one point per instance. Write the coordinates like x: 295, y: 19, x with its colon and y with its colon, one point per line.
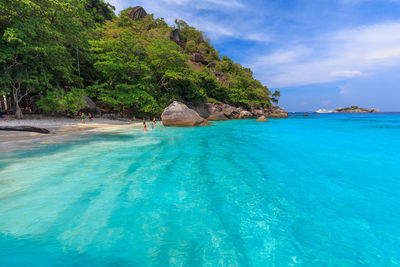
x: 154, y: 120
x: 83, y: 118
x: 90, y: 116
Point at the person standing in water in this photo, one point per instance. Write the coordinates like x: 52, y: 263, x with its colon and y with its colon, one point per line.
x: 144, y: 127
x: 83, y: 117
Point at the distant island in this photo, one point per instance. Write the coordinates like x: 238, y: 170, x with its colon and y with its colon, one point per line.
x: 352, y: 109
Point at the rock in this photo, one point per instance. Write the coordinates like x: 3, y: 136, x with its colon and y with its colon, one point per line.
x: 230, y: 112
x: 203, y: 109
x: 90, y: 106
x: 219, y: 75
x: 175, y: 35
x: 217, y: 116
x: 212, y: 64
x: 179, y: 115
x: 137, y: 12
x: 276, y: 112
x: 197, y: 57
x: 24, y: 129
x: 356, y: 109
x: 262, y: 118
x: 258, y: 112
x: 244, y: 114
x: 89, y: 103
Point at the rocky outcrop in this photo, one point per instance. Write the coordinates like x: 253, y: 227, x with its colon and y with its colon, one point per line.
x: 244, y: 114
x: 209, y: 111
x: 179, y: 115
x: 262, y: 119
x: 219, y: 75
x: 198, y: 57
x: 356, y: 109
x: 222, y: 111
x: 276, y: 112
x: 217, y: 116
x: 24, y: 129
x: 137, y: 12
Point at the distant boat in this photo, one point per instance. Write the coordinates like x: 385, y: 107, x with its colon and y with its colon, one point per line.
x: 321, y: 110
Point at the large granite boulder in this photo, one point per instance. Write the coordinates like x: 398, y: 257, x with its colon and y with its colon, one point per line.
x: 179, y: 115
x: 203, y: 109
x: 276, y: 112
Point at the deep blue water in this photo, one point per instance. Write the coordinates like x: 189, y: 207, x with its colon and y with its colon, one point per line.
x: 305, y: 191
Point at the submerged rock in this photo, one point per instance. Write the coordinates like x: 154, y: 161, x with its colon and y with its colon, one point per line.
x: 179, y: 115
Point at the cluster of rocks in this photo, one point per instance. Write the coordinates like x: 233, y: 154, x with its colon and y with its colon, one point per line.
x: 198, y: 114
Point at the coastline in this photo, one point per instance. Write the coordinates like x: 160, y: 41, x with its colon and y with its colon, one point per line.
x: 61, y: 130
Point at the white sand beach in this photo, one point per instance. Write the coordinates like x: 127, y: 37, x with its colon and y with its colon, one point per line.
x: 61, y: 130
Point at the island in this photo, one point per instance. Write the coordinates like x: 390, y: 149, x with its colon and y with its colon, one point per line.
x: 352, y: 109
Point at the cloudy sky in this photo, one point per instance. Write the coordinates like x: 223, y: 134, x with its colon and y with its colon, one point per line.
x: 318, y: 53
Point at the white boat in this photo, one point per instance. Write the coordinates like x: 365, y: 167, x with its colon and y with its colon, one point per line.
x: 321, y: 110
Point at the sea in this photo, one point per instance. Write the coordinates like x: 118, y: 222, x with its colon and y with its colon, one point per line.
x: 316, y: 190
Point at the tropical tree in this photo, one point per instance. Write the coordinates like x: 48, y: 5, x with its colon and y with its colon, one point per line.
x: 37, y: 45
x: 276, y: 96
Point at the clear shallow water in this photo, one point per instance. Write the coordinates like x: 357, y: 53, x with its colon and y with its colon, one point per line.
x: 316, y: 191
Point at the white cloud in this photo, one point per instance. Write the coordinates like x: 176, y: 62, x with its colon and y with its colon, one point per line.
x: 336, y: 56
x: 346, y: 73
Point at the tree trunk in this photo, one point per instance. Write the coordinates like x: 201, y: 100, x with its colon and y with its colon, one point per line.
x: 18, y: 111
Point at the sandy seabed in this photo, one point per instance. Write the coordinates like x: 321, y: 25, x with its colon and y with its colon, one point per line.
x: 61, y: 130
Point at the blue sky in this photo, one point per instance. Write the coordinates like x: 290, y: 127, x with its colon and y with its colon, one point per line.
x: 318, y: 53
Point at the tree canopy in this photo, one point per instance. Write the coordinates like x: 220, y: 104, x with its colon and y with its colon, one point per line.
x: 65, y: 50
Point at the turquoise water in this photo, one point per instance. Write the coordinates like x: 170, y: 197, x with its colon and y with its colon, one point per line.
x: 316, y: 191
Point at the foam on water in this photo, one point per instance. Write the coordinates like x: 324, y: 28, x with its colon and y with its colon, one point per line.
x: 316, y: 191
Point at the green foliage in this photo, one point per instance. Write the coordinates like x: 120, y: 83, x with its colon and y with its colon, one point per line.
x: 61, y: 101
x: 100, y: 10
x: 38, y: 44
x: 275, y: 96
x: 54, y: 45
x: 191, y: 46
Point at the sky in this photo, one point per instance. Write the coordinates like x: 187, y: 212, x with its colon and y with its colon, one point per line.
x: 317, y: 53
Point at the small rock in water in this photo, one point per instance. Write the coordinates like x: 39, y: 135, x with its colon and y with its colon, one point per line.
x: 262, y: 118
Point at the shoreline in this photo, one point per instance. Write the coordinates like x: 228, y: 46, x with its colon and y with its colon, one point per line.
x: 61, y: 130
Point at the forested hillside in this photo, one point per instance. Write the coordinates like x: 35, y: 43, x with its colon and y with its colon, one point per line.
x: 53, y: 53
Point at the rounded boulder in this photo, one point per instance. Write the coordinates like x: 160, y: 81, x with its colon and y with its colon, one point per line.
x: 179, y: 115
